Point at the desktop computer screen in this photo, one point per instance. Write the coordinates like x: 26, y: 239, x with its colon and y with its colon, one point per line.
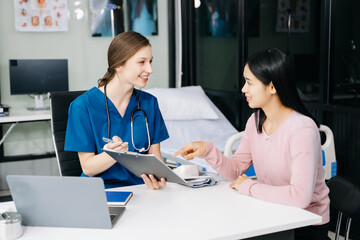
x: 38, y: 76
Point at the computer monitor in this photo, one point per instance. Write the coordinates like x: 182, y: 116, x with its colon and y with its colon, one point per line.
x: 38, y: 76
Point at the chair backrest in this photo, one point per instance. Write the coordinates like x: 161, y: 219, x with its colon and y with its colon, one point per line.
x: 344, y: 197
x: 328, y: 148
x: 68, y: 162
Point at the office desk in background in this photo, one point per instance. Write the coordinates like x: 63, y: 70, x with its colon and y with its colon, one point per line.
x: 179, y: 212
x: 20, y: 116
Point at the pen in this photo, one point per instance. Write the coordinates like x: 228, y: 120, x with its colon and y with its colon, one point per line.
x: 108, y: 140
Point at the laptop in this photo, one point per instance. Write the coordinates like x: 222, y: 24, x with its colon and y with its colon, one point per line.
x: 73, y: 202
x: 148, y: 163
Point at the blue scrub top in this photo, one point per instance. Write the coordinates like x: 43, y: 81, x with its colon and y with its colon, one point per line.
x: 88, y: 123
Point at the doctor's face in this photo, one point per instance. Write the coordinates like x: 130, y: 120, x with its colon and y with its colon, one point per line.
x: 257, y: 94
x: 137, y: 69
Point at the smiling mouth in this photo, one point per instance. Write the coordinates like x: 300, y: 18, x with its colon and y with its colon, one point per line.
x: 145, y: 78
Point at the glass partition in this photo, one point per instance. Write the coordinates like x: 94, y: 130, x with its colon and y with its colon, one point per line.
x: 217, y: 60
x: 294, y: 27
x: 345, y: 67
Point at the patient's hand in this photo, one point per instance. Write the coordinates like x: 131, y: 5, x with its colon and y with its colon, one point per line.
x: 191, y: 150
x: 237, y: 182
x: 152, y: 182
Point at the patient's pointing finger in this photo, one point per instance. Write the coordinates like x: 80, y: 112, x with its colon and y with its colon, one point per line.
x: 177, y: 153
x: 181, y: 151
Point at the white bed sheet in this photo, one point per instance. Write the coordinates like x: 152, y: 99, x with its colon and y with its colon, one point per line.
x: 184, y: 131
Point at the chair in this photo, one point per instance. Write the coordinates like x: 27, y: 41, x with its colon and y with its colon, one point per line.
x: 68, y: 162
x: 344, y: 197
x: 328, y: 151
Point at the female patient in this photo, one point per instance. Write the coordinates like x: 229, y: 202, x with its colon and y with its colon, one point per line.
x: 281, y: 140
x: 106, y: 111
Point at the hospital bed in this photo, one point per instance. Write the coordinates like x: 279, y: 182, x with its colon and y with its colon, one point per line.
x: 191, y: 116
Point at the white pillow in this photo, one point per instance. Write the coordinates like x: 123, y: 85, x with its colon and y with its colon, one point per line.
x: 186, y: 103
x: 182, y: 132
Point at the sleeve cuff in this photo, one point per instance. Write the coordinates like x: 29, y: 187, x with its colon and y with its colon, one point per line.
x: 209, y: 146
x: 245, y: 187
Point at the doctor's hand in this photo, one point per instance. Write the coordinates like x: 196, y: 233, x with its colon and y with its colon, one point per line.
x: 236, y: 183
x: 191, y: 150
x: 118, y: 145
x: 152, y: 182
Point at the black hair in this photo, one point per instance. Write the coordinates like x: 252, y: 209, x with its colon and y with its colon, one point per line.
x: 273, y: 65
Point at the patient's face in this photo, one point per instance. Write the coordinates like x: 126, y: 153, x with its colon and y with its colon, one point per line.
x: 257, y: 94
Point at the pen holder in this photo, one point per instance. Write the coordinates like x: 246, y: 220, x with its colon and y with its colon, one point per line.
x: 10, y: 226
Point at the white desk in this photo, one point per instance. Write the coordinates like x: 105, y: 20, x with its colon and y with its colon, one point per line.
x: 23, y: 115
x: 20, y: 116
x: 179, y: 212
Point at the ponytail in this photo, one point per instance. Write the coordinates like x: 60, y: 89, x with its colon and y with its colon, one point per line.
x: 110, y: 74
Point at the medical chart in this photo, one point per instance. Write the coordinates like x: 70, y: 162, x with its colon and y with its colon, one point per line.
x: 41, y: 15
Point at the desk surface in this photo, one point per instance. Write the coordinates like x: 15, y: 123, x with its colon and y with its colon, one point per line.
x: 179, y: 212
x: 24, y: 115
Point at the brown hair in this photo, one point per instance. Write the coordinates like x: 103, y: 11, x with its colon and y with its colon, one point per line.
x: 121, y: 48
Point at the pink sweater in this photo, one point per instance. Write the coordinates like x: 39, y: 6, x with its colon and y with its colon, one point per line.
x: 288, y: 164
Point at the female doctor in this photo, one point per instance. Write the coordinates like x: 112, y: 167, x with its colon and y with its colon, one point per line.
x: 118, y: 111
x: 281, y: 140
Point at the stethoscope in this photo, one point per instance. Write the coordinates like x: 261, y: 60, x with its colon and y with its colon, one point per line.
x: 137, y: 108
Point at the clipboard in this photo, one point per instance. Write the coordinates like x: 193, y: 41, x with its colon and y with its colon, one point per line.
x: 138, y: 164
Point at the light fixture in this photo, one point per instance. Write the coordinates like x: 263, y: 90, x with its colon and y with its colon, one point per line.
x: 79, y: 13
x: 197, y: 3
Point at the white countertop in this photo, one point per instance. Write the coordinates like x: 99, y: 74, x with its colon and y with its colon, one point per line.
x: 24, y: 115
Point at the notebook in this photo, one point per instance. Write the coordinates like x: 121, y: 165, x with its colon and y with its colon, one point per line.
x: 147, y: 163
x: 117, y: 198
x: 73, y: 202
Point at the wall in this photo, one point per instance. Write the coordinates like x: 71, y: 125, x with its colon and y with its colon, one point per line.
x: 87, y: 62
